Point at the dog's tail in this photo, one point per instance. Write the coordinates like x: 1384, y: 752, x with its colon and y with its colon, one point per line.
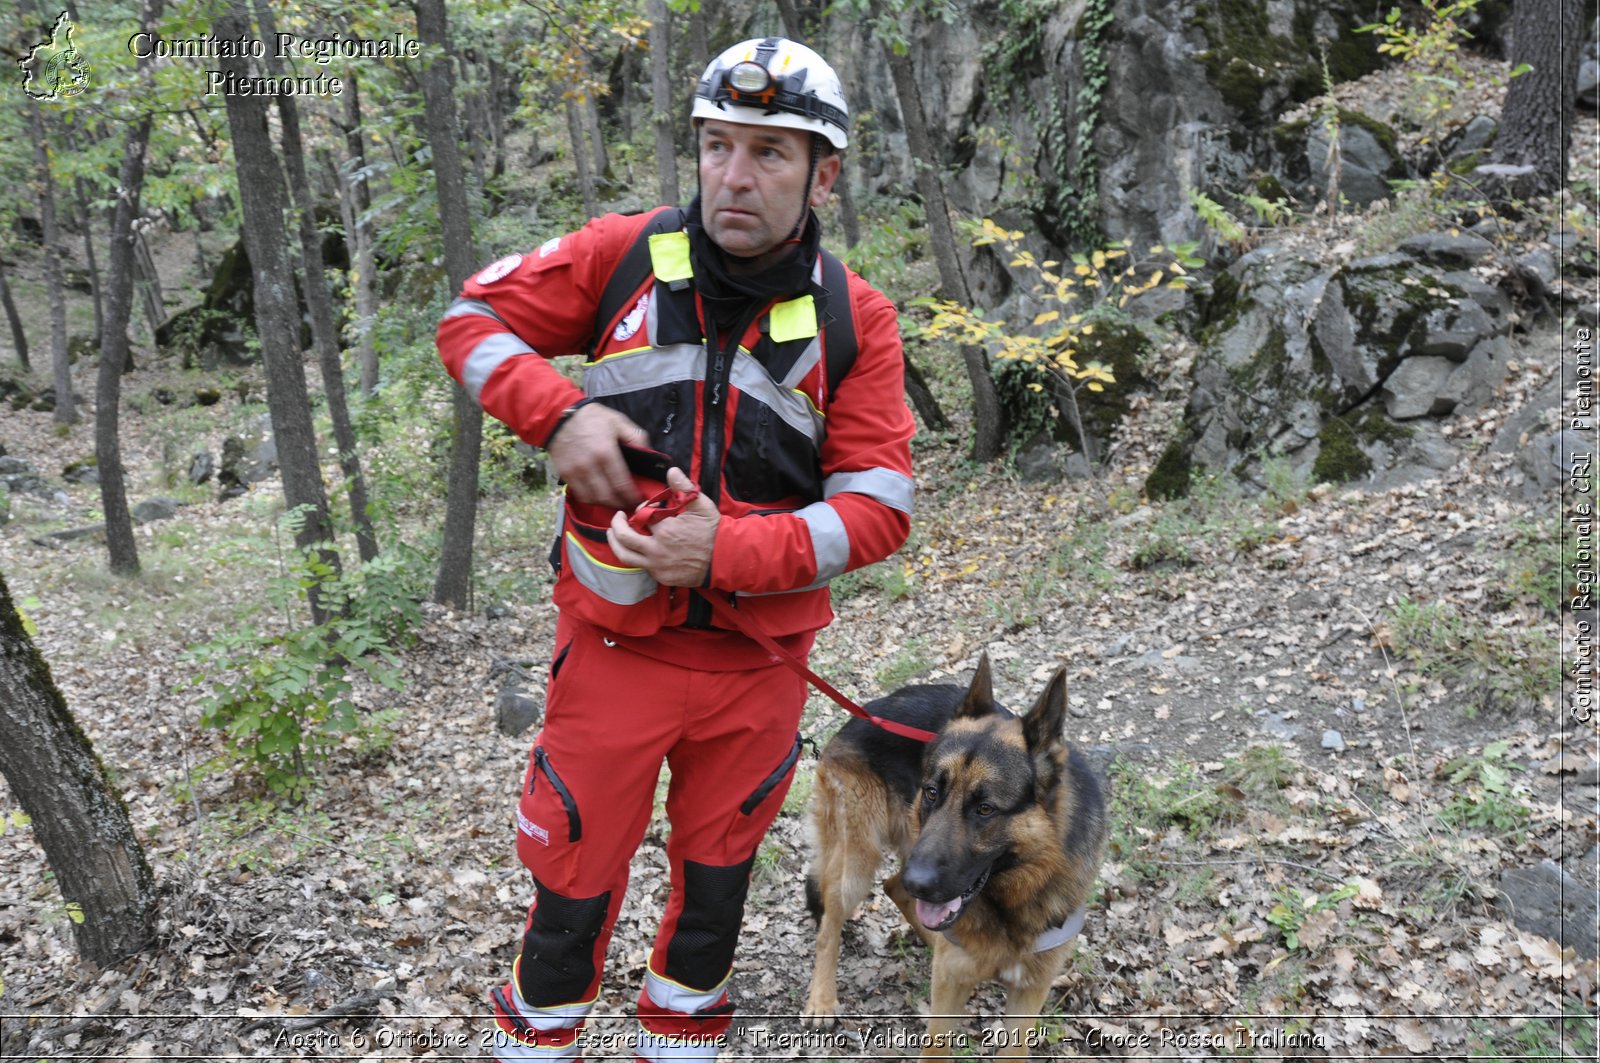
x: 814, y: 897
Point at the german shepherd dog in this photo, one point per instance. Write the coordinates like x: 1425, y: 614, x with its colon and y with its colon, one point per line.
x: 1000, y: 827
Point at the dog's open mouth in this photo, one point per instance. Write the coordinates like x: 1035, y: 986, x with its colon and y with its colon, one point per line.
x: 943, y: 916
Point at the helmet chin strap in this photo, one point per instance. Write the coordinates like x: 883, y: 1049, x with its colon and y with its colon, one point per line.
x: 805, y: 197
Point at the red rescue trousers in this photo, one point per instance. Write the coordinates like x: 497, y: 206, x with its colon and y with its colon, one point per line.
x: 612, y: 716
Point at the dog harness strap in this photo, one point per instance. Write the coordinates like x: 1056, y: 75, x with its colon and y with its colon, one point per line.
x: 1062, y: 934
x: 725, y: 612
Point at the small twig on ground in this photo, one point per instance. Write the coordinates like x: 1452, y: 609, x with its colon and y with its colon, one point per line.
x: 1389, y: 670
x: 362, y: 1004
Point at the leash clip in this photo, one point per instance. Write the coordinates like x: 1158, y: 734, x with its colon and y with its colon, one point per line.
x: 659, y: 506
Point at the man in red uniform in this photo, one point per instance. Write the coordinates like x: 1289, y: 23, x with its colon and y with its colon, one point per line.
x: 726, y: 351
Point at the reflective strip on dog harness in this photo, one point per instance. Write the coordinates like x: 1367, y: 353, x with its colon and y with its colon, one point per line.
x: 665, y: 993
x: 661, y: 1049
x: 619, y: 586
x: 490, y: 354
x: 1062, y: 934
x: 894, y: 489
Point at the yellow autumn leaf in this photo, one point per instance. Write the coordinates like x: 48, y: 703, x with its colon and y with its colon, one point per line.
x: 1046, y: 317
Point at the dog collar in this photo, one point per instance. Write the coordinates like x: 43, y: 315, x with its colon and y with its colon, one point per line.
x: 1062, y: 934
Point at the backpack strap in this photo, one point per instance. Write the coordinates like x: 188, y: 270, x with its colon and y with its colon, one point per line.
x: 631, y: 271
x: 839, y: 333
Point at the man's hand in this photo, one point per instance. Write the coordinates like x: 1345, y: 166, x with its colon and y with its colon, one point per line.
x: 587, y: 454
x: 677, y: 551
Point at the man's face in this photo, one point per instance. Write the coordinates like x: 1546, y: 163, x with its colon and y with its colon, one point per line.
x: 751, y: 180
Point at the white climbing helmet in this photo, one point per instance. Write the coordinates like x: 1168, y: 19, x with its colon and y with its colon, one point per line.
x: 774, y: 81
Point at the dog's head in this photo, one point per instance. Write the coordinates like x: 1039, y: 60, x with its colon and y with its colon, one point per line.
x: 986, y: 780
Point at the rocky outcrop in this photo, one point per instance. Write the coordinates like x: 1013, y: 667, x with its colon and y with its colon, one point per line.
x: 1174, y: 96
x: 1339, y: 371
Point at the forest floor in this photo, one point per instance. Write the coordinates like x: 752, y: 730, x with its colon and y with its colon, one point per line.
x: 1273, y: 890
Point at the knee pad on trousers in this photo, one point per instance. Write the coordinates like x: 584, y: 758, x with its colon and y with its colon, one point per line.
x: 701, y: 951
x: 558, y: 962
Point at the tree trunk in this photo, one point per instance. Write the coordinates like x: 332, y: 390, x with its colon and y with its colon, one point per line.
x: 148, y: 282
x: 497, y: 118
x: 791, y: 21
x: 60, y: 358
x: 90, y: 259
x: 19, y: 338
x: 359, y: 235
x: 79, y: 819
x: 591, y: 118
x: 261, y: 199
x: 987, y: 434
x: 700, y: 35
x: 324, y: 328
x: 1536, y: 118
x: 454, y: 584
x: 580, y: 156
x: 123, y: 549
x: 661, y: 95
x: 848, y: 216
x: 922, y: 398
x: 472, y: 124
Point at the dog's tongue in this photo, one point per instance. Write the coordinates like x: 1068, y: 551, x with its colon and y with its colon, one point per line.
x: 934, y: 916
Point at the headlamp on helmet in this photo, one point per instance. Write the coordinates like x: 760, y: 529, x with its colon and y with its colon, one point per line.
x: 776, y: 82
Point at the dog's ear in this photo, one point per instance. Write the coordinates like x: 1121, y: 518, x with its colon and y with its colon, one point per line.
x: 980, y: 697
x: 1042, y: 726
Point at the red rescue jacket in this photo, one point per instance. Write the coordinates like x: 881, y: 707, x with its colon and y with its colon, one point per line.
x: 812, y: 475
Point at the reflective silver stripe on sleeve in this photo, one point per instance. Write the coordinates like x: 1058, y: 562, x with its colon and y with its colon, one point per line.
x: 829, y: 541
x: 464, y: 306
x: 894, y: 489
x: 645, y: 368
x: 619, y: 586
x: 490, y: 354
x: 791, y: 406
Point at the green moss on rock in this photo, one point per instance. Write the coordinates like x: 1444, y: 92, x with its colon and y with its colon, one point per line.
x: 1171, y: 477
x: 1340, y: 458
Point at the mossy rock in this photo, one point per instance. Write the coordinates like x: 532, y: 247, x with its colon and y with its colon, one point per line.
x: 1340, y: 458
x: 1375, y: 427
x: 1257, y: 71
x: 1120, y: 347
x: 1172, y: 475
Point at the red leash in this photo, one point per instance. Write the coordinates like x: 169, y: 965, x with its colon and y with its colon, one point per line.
x: 729, y: 615
x: 669, y: 503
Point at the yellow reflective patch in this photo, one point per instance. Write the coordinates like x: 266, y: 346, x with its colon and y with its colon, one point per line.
x: 794, y: 320
x: 669, y: 256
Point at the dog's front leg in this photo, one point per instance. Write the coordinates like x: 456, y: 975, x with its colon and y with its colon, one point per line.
x: 1024, y: 1001
x: 954, y: 979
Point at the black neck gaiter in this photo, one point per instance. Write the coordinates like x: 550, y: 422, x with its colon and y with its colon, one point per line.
x: 725, y: 293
